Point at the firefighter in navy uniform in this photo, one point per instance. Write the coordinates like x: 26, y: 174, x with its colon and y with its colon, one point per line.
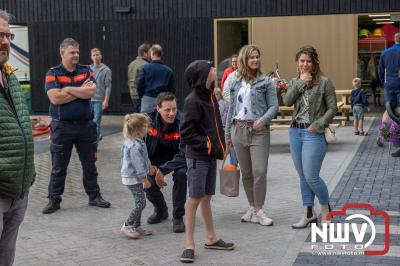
x: 69, y: 87
x: 167, y: 154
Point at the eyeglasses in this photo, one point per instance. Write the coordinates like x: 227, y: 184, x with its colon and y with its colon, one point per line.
x: 8, y: 35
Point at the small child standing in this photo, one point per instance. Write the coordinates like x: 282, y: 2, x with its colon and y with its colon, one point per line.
x: 135, y: 168
x: 358, y: 102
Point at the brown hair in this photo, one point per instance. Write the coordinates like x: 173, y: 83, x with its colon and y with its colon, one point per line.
x: 143, y: 48
x: 134, y: 123
x: 316, y: 72
x: 243, y: 69
x: 95, y: 50
x: 165, y: 97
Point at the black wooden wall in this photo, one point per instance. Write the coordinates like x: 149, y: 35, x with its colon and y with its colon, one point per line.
x: 183, y: 27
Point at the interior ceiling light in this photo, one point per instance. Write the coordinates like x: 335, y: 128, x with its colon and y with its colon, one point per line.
x: 385, y: 22
x: 378, y: 15
x: 381, y: 19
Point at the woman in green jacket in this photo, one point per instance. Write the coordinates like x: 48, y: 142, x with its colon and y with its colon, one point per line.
x: 314, y: 100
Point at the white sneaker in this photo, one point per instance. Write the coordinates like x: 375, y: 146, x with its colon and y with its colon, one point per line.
x: 130, y: 232
x: 144, y: 232
x: 263, y: 219
x: 250, y: 213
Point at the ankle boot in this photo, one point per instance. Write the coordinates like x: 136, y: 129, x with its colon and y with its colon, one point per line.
x: 309, y: 217
x: 325, y: 209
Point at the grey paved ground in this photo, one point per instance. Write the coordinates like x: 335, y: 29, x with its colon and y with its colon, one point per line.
x: 82, y: 235
x: 373, y: 177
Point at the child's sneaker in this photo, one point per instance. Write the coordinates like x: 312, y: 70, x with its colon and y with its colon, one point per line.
x: 144, y: 232
x: 130, y: 232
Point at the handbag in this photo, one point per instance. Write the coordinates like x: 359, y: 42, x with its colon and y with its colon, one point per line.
x: 330, y: 135
x: 229, y: 179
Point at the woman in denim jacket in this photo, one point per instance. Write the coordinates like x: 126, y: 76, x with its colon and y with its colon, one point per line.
x: 253, y: 104
x: 314, y: 99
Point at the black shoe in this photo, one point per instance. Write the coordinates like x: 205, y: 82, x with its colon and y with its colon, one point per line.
x: 178, y: 226
x: 157, y: 217
x: 52, y: 206
x: 221, y: 245
x: 187, y: 256
x: 396, y: 154
x: 99, y: 202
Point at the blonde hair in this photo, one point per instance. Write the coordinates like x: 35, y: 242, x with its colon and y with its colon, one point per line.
x: 134, y: 123
x: 357, y: 81
x: 243, y: 69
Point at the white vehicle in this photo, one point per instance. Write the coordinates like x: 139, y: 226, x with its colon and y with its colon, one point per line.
x: 19, y: 52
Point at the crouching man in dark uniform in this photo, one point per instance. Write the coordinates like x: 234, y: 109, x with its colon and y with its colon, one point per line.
x: 162, y: 143
x: 69, y: 87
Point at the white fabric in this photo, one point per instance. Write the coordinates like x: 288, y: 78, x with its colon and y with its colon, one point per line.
x: 243, y: 104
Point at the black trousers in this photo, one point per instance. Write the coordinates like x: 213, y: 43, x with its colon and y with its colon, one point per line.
x: 179, y: 190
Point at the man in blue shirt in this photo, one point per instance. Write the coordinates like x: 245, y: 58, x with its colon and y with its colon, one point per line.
x: 70, y: 86
x: 389, y: 74
x: 154, y: 78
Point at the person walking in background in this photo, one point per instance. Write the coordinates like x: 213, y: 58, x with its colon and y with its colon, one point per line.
x: 223, y: 107
x: 389, y: 74
x: 17, y: 168
x: 134, y: 68
x: 358, y: 101
x: 253, y: 104
x: 135, y: 168
x: 154, y: 78
x: 102, y: 75
x: 314, y: 100
x: 229, y: 70
x: 225, y: 83
x: 201, y: 131
x: 70, y: 86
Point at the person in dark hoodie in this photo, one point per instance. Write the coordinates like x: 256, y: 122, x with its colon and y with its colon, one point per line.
x: 358, y: 101
x: 201, y: 131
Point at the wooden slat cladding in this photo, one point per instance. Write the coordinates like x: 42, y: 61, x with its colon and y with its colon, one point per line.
x: 183, y: 40
x: 27, y: 11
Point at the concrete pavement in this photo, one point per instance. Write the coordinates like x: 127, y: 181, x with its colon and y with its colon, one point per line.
x: 82, y: 235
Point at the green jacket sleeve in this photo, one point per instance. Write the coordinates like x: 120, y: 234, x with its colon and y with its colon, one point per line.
x: 331, y: 108
x: 295, y: 88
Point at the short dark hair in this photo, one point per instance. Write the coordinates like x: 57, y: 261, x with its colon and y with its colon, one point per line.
x: 68, y: 42
x: 234, y: 55
x: 165, y: 97
x: 143, y: 48
x: 157, y: 50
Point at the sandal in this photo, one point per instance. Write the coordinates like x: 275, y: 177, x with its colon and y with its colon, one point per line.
x: 356, y: 132
x: 362, y: 133
x: 221, y: 245
x: 187, y: 256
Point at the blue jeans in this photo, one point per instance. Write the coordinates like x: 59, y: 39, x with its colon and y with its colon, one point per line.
x: 98, y: 112
x: 148, y: 104
x: 392, y: 95
x: 232, y: 156
x: 136, y: 105
x: 308, y: 151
